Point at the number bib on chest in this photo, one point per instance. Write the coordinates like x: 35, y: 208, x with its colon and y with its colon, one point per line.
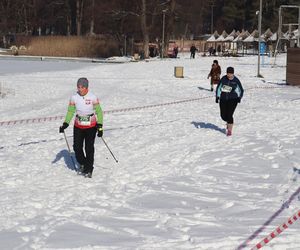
x: 84, y: 120
x: 226, y: 89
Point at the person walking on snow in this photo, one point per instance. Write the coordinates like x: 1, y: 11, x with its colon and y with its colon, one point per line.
x: 214, y: 74
x: 229, y: 93
x: 193, y: 50
x: 88, y: 123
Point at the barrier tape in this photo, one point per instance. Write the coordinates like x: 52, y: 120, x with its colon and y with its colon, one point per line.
x: 277, y: 231
x: 54, y: 118
x: 258, y: 231
x: 33, y: 120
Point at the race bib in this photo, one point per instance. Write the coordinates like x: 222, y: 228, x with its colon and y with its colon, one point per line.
x: 226, y: 89
x: 84, y: 120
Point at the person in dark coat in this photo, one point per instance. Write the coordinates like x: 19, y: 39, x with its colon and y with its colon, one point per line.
x: 229, y: 93
x: 175, y: 50
x: 193, y: 50
x: 214, y: 74
x: 151, y: 51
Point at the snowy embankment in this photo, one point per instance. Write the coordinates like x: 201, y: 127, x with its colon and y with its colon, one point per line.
x: 180, y: 182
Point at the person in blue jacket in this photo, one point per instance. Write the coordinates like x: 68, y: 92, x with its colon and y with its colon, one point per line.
x: 229, y: 93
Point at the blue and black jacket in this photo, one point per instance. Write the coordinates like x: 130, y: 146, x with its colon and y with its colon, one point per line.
x: 229, y: 89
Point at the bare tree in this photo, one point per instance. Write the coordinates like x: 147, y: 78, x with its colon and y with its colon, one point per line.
x: 170, y: 24
x: 92, y: 23
x: 144, y: 27
x: 5, y: 12
x: 79, y: 16
x: 68, y: 18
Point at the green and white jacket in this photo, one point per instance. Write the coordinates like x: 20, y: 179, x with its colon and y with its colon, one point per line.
x: 88, y: 111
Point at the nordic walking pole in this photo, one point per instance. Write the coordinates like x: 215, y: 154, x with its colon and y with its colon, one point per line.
x: 70, y: 152
x: 109, y: 149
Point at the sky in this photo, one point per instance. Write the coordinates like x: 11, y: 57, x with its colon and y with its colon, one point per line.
x: 179, y: 183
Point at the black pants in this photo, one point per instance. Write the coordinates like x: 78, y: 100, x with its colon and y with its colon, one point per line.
x: 86, y: 136
x: 227, y: 108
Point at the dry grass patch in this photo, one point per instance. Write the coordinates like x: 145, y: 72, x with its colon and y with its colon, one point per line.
x: 71, y: 46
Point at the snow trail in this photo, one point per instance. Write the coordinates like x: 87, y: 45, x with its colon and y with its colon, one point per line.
x: 180, y: 182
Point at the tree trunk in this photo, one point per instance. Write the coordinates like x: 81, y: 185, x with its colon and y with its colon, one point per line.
x: 79, y: 14
x: 186, y: 29
x: 68, y: 18
x: 92, y: 23
x: 69, y: 24
x: 24, y: 17
x: 145, y: 29
x: 170, y: 26
x: 4, y: 13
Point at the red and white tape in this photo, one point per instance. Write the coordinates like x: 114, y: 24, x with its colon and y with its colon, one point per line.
x: 277, y: 231
x: 53, y: 118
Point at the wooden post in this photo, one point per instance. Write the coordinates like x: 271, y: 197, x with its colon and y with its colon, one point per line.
x: 293, y: 66
x: 178, y: 72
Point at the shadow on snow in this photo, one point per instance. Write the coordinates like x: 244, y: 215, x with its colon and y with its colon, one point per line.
x: 208, y: 126
x: 201, y: 88
x: 68, y: 158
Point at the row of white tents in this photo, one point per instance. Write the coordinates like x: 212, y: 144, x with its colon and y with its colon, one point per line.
x: 246, y: 42
x: 245, y: 36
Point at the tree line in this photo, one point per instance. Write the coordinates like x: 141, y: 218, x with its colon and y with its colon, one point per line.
x: 141, y: 20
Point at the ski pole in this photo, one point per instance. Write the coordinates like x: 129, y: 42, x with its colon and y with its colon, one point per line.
x: 70, y: 152
x: 109, y: 149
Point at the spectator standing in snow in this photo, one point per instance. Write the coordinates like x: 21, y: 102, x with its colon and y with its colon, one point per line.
x: 151, y: 51
x: 229, y: 93
x: 88, y: 123
x: 219, y: 50
x: 175, y: 50
x: 214, y: 74
x: 193, y: 50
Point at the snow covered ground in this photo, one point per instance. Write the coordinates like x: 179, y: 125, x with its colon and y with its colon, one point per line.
x: 180, y: 182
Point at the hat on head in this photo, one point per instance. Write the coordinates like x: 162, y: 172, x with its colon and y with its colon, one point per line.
x: 84, y: 82
x: 230, y: 70
x: 216, y: 62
